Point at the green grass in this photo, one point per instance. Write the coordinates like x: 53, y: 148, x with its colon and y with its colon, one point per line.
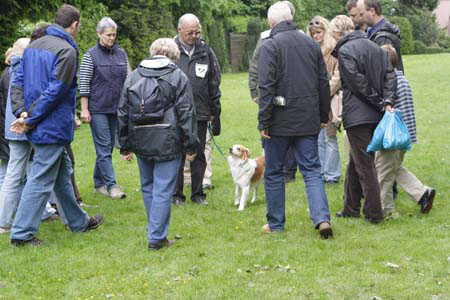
x: 222, y: 253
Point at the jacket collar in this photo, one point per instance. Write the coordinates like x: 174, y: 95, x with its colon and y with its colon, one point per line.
x: 354, y: 35
x: 58, y: 31
x: 106, y: 49
x: 199, y: 46
x: 282, y: 26
x: 156, y: 66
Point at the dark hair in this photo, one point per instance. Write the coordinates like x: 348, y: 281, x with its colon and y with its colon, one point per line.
x: 66, y: 15
x: 38, y: 32
x: 375, y: 4
x: 392, y: 54
x: 350, y: 4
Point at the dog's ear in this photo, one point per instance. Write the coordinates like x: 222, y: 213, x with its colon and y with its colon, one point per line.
x: 245, y: 153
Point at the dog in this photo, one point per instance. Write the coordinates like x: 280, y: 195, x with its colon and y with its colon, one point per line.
x: 246, y: 172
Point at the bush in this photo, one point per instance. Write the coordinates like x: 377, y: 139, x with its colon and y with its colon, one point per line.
x: 419, y: 47
x: 444, y: 39
x: 217, y: 40
x: 406, y: 33
x: 424, y: 26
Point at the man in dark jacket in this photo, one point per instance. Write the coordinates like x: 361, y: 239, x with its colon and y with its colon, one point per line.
x: 380, y: 31
x: 294, y: 101
x: 46, y: 106
x: 199, y: 63
x: 369, y: 84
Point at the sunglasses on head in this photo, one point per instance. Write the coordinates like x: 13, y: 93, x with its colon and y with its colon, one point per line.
x: 316, y: 23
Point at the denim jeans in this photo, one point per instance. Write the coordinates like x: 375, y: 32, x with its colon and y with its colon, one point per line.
x: 103, y: 128
x: 329, y: 156
x: 305, y: 151
x: 158, y: 181
x: 3, y: 166
x: 50, y: 171
x: 11, y: 191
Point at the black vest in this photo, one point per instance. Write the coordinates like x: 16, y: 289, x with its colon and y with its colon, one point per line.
x: 110, y: 72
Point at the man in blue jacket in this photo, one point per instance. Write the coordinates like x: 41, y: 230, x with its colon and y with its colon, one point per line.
x: 43, y: 95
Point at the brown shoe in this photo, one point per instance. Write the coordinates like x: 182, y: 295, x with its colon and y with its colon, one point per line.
x: 160, y: 244
x: 325, y: 230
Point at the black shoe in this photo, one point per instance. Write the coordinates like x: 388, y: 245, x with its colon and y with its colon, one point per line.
x: 160, y: 244
x: 325, y: 230
x: 178, y: 201
x: 200, y: 201
x: 344, y: 214
x: 426, y: 202
x: 373, y: 221
x: 33, y: 241
x: 94, y: 222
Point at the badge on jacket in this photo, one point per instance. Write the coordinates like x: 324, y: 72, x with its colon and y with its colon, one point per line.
x: 200, y: 70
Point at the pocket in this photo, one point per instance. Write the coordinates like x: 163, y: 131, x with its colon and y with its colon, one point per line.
x: 157, y: 140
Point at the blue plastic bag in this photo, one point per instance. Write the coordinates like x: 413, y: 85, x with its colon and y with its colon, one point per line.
x: 390, y: 134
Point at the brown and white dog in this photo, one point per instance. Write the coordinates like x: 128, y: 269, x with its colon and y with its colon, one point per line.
x: 246, y: 172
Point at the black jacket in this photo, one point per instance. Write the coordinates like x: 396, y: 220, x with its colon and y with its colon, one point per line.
x: 205, y: 83
x: 177, y: 131
x: 291, y: 65
x: 368, y: 79
x: 4, y: 87
x: 388, y: 33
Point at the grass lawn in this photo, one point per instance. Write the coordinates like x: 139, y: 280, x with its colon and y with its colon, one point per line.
x: 222, y: 253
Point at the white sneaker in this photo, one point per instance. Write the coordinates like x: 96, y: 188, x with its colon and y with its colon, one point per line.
x: 103, y: 190
x: 4, y: 230
x: 116, y: 192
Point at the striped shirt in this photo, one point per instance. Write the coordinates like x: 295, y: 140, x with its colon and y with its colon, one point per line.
x: 87, y: 73
x: 405, y: 104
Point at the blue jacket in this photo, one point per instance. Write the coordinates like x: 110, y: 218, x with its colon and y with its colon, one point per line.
x: 45, y: 86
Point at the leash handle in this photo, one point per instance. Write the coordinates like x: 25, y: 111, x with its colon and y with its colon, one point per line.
x: 214, y: 141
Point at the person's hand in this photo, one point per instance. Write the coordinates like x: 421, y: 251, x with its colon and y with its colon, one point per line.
x: 19, y: 126
x: 389, y: 108
x: 77, y: 122
x: 24, y: 115
x: 211, y: 118
x: 323, y: 125
x: 255, y: 99
x: 191, y: 157
x: 128, y: 156
x: 85, y: 116
x: 265, y: 134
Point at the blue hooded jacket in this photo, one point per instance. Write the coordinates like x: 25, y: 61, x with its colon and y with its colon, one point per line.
x: 45, y: 86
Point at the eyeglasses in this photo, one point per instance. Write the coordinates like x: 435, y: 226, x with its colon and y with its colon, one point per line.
x: 316, y: 23
x: 194, y: 33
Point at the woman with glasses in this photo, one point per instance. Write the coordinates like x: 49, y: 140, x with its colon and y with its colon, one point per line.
x: 319, y: 30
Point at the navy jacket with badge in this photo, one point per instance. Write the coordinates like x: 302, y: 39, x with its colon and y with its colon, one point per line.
x: 203, y: 71
x: 291, y: 65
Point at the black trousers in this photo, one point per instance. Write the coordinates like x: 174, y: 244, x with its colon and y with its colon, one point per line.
x: 198, y: 167
x: 361, y: 175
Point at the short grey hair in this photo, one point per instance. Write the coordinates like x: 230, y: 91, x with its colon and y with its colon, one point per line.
x: 291, y: 7
x: 105, y: 22
x: 279, y: 12
x: 166, y: 47
x: 187, y: 17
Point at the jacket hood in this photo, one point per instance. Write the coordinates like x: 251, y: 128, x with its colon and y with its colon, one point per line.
x: 354, y: 35
x: 156, y: 66
x: 283, y: 26
x: 58, y: 31
x: 15, y: 60
x: 390, y: 28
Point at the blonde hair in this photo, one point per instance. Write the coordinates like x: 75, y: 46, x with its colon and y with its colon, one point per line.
x: 166, y: 47
x: 328, y: 43
x: 17, y: 49
x: 342, y: 24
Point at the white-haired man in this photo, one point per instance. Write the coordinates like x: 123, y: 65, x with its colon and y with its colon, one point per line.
x: 294, y: 99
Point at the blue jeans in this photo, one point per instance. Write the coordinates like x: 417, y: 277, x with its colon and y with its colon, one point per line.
x: 158, y: 183
x: 3, y: 166
x: 305, y: 151
x: 11, y: 191
x: 329, y: 156
x: 103, y: 128
x: 50, y: 171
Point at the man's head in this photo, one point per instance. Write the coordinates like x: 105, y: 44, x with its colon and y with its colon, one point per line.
x: 340, y: 26
x: 353, y: 12
x: 291, y: 7
x: 189, y: 29
x: 392, y: 54
x: 278, y: 12
x: 68, y: 17
x: 370, y: 11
